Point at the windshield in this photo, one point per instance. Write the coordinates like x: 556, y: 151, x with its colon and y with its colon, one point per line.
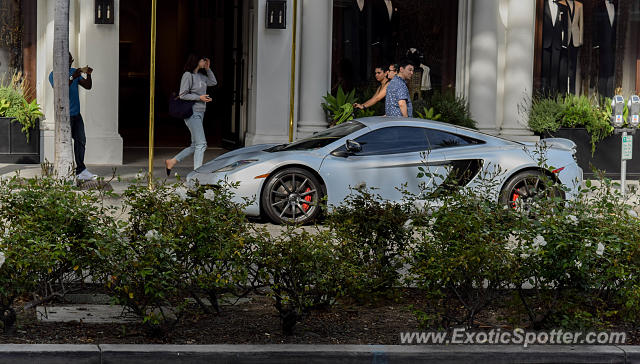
x: 323, y: 138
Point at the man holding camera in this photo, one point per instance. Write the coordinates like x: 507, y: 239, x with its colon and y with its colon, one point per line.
x: 77, y: 124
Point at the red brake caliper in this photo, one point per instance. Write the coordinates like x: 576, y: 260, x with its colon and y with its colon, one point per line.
x: 307, y: 198
x: 514, y: 198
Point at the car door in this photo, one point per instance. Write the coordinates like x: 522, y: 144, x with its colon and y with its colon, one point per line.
x: 389, y: 162
x: 464, y: 157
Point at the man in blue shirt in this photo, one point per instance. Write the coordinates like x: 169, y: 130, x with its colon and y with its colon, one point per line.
x: 77, y: 124
x: 398, y: 101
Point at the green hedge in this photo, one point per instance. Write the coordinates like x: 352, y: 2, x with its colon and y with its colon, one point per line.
x: 570, y: 265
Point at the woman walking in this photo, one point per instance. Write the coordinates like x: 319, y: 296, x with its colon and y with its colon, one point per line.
x: 382, y: 76
x: 193, y: 87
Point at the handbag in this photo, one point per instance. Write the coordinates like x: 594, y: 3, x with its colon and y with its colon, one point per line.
x: 179, y: 108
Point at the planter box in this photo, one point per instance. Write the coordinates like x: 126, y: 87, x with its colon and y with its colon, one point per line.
x: 607, y: 154
x: 13, y: 143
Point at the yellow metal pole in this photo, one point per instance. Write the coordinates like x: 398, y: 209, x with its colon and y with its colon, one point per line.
x: 293, y: 69
x: 152, y: 89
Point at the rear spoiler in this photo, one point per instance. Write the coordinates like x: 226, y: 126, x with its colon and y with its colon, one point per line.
x: 557, y: 143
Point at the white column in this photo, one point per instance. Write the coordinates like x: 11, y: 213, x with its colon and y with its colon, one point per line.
x: 518, y: 80
x: 463, y: 52
x: 98, y: 47
x: 315, y: 64
x: 268, y: 120
x: 483, y: 75
x: 44, y: 65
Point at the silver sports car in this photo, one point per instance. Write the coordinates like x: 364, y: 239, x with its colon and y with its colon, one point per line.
x: 287, y: 181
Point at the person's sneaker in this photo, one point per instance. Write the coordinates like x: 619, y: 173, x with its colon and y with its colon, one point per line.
x: 86, y: 176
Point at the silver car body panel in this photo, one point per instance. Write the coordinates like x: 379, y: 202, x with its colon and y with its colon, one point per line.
x: 390, y: 172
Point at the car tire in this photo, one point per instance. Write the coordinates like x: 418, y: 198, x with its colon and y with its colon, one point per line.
x: 292, y: 196
x: 521, y: 190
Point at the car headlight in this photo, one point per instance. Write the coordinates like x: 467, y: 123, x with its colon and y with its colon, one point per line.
x: 235, y: 165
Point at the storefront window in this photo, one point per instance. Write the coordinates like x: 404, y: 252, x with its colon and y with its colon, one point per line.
x: 587, y: 47
x: 372, y: 33
x: 10, y: 37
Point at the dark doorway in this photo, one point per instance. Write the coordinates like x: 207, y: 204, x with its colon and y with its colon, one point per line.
x: 208, y: 28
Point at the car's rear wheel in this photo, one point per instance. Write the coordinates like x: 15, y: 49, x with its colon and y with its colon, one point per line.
x: 526, y: 188
x: 292, y: 195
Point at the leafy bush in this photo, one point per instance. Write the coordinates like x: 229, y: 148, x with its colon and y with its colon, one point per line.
x: 462, y: 255
x: 178, y: 243
x: 15, y: 106
x: 547, y: 114
x: 373, y: 237
x: 581, y: 259
x: 53, y: 237
x: 219, y: 244
x: 303, y: 273
x: 453, y: 109
x: 339, y: 107
x: 428, y: 114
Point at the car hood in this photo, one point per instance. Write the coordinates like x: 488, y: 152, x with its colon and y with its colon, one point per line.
x: 251, y: 152
x: 257, y: 152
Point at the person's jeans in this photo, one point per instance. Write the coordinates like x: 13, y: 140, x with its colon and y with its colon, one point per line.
x: 198, y: 140
x: 79, y: 141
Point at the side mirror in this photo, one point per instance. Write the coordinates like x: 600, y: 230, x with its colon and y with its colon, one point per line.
x: 353, y: 146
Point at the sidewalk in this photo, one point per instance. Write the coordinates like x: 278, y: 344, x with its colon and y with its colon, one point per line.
x: 136, y: 161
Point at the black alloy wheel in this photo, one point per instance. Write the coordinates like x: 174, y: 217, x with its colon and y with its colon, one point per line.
x: 525, y: 188
x: 292, y: 195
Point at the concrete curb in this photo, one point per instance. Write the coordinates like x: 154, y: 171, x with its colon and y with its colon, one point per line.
x: 310, y: 354
x: 49, y: 353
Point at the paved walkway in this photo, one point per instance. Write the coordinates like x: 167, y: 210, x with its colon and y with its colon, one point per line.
x: 135, y: 163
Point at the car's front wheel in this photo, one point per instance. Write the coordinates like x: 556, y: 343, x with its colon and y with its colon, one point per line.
x: 292, y: 195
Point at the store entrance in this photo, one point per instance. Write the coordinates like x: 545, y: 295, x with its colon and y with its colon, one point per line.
x: 208, y: 28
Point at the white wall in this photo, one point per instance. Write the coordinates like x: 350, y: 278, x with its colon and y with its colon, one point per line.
x: 97, y: 46
x: 269, y: 103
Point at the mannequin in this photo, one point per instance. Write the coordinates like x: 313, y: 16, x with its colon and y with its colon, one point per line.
x: 554, y: 42
x: 385, y: 29
x: 605, y: 42
x: 575, y: 36
x: 359, y: 23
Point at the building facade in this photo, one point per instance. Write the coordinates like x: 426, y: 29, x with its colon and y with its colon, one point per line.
x: 491, y: 52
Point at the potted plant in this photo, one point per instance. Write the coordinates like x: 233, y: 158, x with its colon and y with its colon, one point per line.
x: 19, y: 124
x: 587, y: 122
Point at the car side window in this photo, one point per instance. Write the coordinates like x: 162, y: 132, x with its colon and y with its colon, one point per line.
x: 393, y: 140
x: 441, y: 139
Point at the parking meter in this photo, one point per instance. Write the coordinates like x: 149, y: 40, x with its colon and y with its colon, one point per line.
x: 617, y: 111
x: 634, y: 111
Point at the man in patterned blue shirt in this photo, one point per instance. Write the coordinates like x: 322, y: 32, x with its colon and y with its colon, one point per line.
x: 398, y: 102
